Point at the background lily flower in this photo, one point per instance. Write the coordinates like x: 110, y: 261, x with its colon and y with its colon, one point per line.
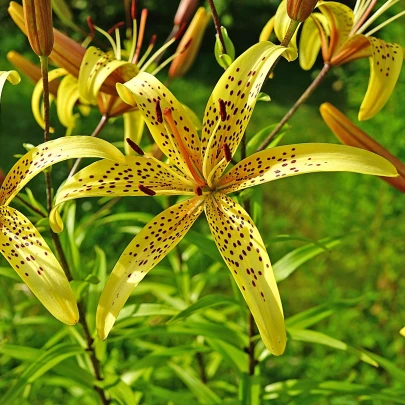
x: 350, y: 134
x: 339, y: 32
x: 21, y: 243
x: 198, y: 170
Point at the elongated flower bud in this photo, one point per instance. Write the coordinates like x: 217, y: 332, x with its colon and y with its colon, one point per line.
x: 185, y: 11
x: 226, y: 56
x: 189, y: 44
x: 351, y: 135
x: 38, y: 20
x: 30, y: 69
x: 300, y: 10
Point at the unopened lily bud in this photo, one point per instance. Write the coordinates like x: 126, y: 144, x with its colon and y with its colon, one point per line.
x: 226, y: 56
x: 300, y: 10
x: 38, y: 20
x: 190, y: 44
x: 31, y: 70
x: 185, y: 11
x: 351, y: 135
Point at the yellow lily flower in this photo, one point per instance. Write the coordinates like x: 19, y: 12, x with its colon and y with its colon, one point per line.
x: 12, y: 76
x: 338, y: 31
x: 197, y: 170
x: 351, y: 135
x: 21, y: 243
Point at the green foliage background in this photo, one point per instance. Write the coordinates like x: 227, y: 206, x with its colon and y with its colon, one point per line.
x: 367, y: 267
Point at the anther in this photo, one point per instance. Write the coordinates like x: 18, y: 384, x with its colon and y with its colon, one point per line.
x: 158, y: 110
x: 135, y: 147
x: 152, y: 41
x: 227, y: 152
x: 198, y: 191
x: 114, y: 27
x: 90, y: 23
x: 186, y: 45
x: 146, y: 190
x: 133, y: 10
x: 180, y: 32
x: 222, y: 109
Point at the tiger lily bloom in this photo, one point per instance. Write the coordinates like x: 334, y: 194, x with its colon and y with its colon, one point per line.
x: 339, y: 33
x: 21, y: 243
x: 351, y: 135
x: 197, y: 171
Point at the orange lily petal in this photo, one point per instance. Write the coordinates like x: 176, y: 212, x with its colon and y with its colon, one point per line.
x: 350, y: 134
x: 30, y: 256
x: 291, y: 160
x: 109, y: 178
x: 237, y: 89
x: 243, y: 250
x: 145, y: 251
x: 356, y: 47
x: 146, y: 91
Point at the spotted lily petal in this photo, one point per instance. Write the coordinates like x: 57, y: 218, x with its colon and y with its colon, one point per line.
x: 96, y: 67
x: 350, y: 134
x: 243, y: 250
x: 385, y: 67
x: 145, y: 91
x: 340, y: 19
x: 133, y: 129
x: 356, y: 47
x: 146, y: 250
x: 237, y: 89
x: 281, y: 24
x: 37, y: 95
x: 12, y: 76
x: 30, y: 256
x: 135, y: 175
x: 310, y: 40
x: 49, y: 153
x: 291, y: 160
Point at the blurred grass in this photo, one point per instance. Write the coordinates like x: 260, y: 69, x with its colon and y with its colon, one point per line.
x: 314, y: 206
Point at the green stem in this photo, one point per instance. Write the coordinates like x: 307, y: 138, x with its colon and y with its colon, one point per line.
x: 217, y: 24
x: 294, y: 108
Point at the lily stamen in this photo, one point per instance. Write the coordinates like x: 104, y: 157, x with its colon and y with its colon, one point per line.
x: 158, y: 110
x: 167, y: 112
x: 135, y: 147
x: 222, y: 109
x: 146, y: 190
x: 141, y: 33
x: 152, y: 43
x: 227, y: 152
x: 198, y: 191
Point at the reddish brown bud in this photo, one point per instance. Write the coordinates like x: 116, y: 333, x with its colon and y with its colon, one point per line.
x: 185, y: 11
x: 38, y: 20
x: 300, y: 10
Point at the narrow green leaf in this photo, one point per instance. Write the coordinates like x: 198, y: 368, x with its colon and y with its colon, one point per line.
x: 249, y: 390
x: 311, y: 336
x: 292, y: 260
x: 237, y: 358
x: 202, y: 392
x: 260, y: 136
x: 205, y: 243
x: 203, y: 303
x: 9, y: 273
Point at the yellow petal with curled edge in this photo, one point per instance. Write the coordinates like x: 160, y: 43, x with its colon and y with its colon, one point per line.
x: 292, y: 160
x: 68, y: 96
x: 145, y: 91
x: 133, y: 129
x: 267, y: 30
x: 96, y: 67
x: 49, y: 153
x: 145, y: 251
x: 237, y: 89
x: 12, y: 76
x: 243, y: 250
x: 30, y: 256
x: 281, y: 25
x: 385, y: 66
x: 37, y: 94
x: 310, y: 39
x: 340, y: 20
x: 109, y: 178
